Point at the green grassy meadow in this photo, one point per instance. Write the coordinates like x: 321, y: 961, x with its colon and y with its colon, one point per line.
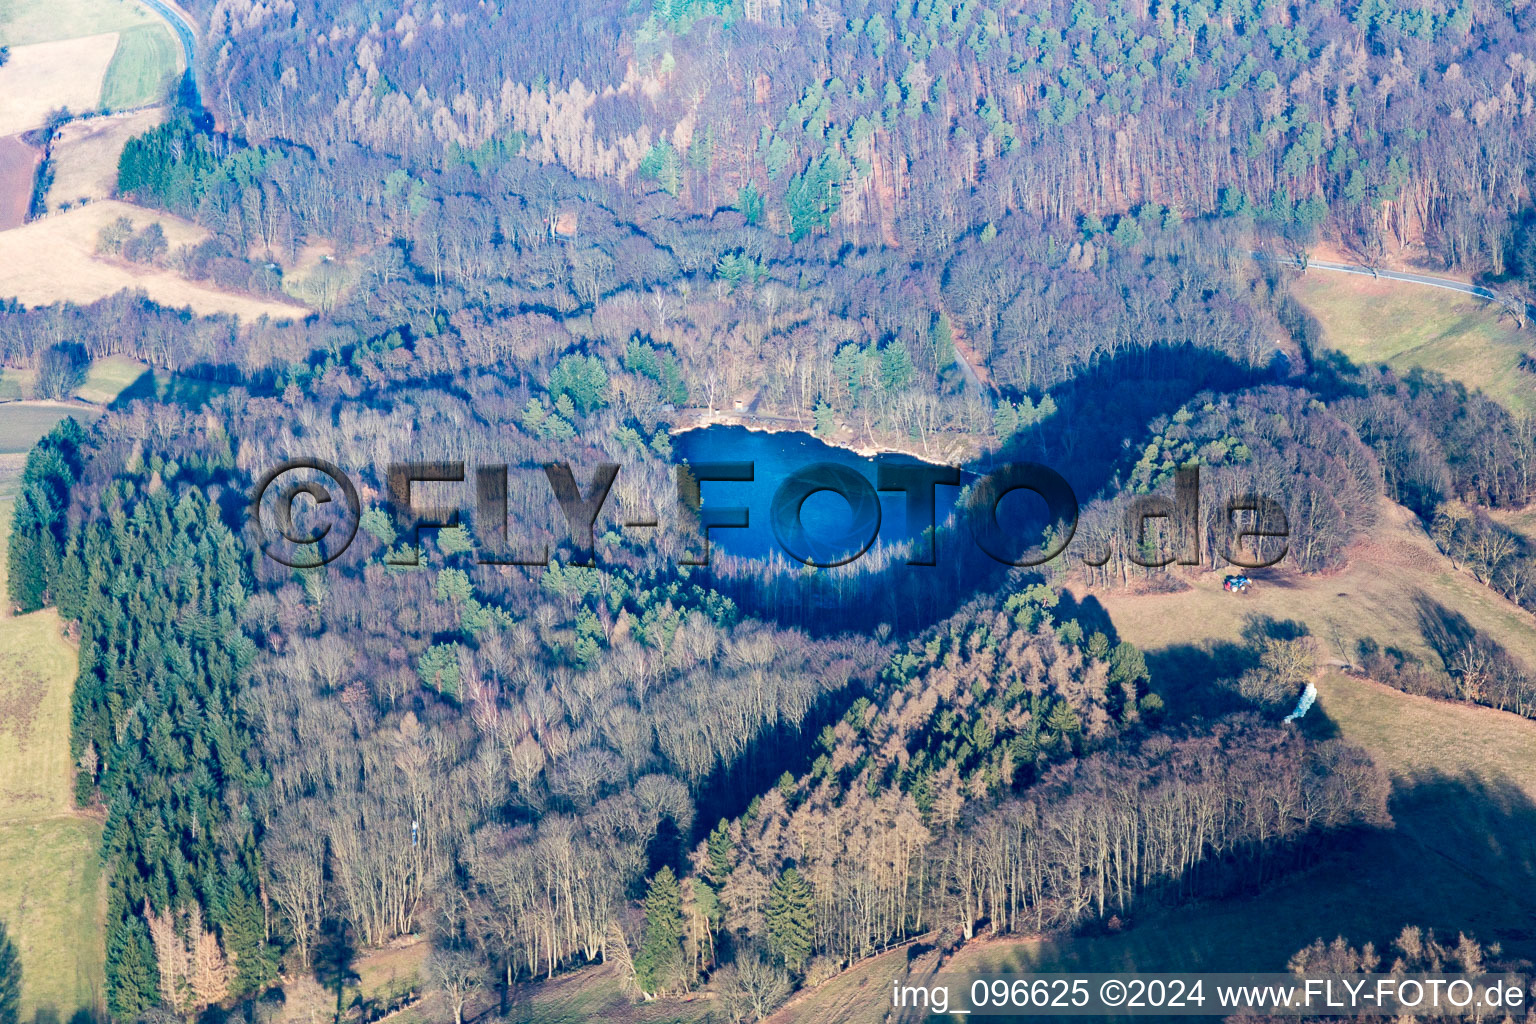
x: 22, y: 423
x: 109, y: 378
x: 1408, y: 325
x: 50, y: 869
x: 23, y: 22
x: 143, y: 69
x: 13, y: 384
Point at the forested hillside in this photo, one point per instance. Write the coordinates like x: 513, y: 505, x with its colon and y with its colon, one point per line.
x: 508, y: 766
x: 987, y: 789
x: 910, y: 122
x: 541, y: 234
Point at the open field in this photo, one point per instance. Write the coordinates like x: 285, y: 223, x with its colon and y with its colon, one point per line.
x: 108, y: 378
x: 595, y: 994
x: 50, y: 870
x: 22, y: 423
x: 1522, y: 522
x: 55, y: 260
x: 1407, y: 326
x: 85, y: 155
x: 18, y: 167
x: 144, y: 68
x: 591, y: 994
x: 317, y: 279
x: 24, y: 22
x: 1390, y: 592
x: 11, y: 465
x: 34, y: 725
x: 43, y: 77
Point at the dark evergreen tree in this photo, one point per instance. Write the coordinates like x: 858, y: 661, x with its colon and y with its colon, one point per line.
x: 133, y: 983
x: 660, y: 960
x: 243, y: 930
x: 10, y: 980
x: 169, y: 166
x: 37, y: 524
x: 792, y: 919
x: 162, y: 667
x: 721, y: 854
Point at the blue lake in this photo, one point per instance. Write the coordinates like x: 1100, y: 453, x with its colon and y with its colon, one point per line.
x: 826, y: 517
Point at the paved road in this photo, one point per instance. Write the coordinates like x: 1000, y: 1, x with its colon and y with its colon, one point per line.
x: 1447, y: 283
x: 185, y: 31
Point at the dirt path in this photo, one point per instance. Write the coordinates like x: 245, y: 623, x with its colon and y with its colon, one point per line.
x: 970, y: 364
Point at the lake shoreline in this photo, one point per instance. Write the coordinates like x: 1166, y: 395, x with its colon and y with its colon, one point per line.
x: 955, y: 452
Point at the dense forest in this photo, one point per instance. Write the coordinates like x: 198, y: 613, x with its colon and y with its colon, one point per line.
x: 910, y: 122
x: 967, y: 229
x: 525, y: 769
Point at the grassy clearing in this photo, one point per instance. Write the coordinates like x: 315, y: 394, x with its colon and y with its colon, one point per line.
x: 22, y: 423
x: 1522, y: 522
x: 173, y: 388
x: 108, y: 378
x: 596, y: 994
x: 51, y: 897
x: 37, y: 671
x: 14, y: 384
x: 143, y: 69
x: 50, y: 871
x: 1392, y: 591
x: 10, y: 475
x: 1408, y: 325
x: 381, y: 973
x: 24, y: 22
